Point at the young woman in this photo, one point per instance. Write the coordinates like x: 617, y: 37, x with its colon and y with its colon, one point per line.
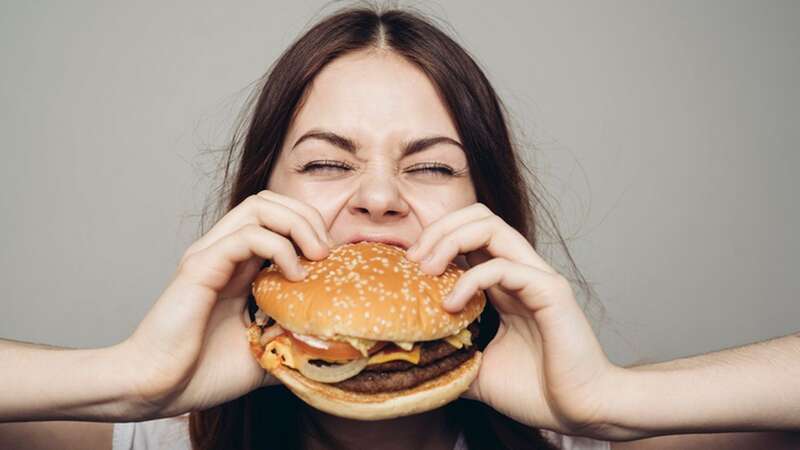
x: 376, y: 125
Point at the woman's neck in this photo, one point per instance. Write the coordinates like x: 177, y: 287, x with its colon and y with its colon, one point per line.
x: 426, y: 431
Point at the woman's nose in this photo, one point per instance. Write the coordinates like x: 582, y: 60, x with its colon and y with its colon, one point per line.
x: 379, y: 198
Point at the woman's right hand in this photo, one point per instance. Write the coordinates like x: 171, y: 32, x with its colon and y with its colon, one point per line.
x: 190, y: 352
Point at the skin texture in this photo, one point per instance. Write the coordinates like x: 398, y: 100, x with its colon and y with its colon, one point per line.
x: 545, y: 368
x: 379, y: 194
x: 375, y: 191
x: 383, y: 194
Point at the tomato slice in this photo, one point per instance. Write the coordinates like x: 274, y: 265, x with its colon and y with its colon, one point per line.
x: 335, y: 351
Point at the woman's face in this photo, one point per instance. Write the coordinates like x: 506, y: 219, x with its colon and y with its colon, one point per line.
x: 374, y: 150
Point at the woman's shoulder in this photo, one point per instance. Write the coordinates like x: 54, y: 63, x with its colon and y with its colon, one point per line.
x: 567, y: 442
x: 171, y: 432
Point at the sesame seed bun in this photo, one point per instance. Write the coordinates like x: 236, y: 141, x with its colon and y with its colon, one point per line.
x: 365, y: 290
x: 429, y: 395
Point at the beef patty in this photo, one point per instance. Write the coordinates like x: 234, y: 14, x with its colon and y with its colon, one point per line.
x: 371, y: 382
x: 429, y: 351
x: 436, y: 357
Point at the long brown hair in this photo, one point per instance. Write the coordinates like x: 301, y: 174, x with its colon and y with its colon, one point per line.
x: 271, y: 417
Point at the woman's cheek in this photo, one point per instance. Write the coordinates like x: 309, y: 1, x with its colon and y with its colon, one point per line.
x: 328, y: 198
x: 434, y: 202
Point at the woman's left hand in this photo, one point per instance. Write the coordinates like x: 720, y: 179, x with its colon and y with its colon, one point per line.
x: 545, y: 368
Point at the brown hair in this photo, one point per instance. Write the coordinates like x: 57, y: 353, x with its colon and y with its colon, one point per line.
x: 271, y: 417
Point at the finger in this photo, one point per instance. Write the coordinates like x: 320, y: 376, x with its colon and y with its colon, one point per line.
x: 531, y: 285
x: 490, y: 234
x: 443, y: 226
x: 214, y: 266
x: 269, y: 380
x: 242, y: 277
x: 472, y: 392
x: 273, y: 216
x: 304, y: 209
x: 194, y: 292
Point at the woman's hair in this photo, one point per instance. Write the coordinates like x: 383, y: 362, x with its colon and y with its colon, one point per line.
x: 273, y: 417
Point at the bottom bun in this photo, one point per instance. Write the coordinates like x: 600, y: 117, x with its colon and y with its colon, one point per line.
x: 385, y: 405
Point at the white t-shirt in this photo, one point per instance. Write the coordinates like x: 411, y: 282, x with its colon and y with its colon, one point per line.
x: 173, y: 433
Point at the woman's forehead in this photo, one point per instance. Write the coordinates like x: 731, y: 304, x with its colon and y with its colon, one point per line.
x: 373, y: 97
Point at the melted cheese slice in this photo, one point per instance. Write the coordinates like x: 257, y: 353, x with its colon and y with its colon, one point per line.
x: 280, y: 351
x: 396, y: 355
x: 460, y: 339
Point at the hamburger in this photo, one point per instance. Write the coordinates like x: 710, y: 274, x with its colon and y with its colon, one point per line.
x: 364, y: 335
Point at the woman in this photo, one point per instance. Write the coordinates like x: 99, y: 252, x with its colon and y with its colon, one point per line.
x: 378, y: 125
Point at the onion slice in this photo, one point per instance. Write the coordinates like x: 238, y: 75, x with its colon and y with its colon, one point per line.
x: 333, y: 373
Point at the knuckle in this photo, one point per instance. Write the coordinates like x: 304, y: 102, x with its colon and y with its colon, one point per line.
x: 303, y: 206
x: 189, y: 251
x: 449, y: 246
x: 559, y: 282
x: 502, y: 261
x: 496, y: 220
x: 266, y: 193
x: 251, y: 232
x: 282, y: 245
x: 297, y: 220
x: 482, y: 208
x: 499, y: 264
x: 190, y: 263
x: 296, y: 224
x: 252, y: 201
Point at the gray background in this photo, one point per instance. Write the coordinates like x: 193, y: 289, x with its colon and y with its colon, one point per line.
x: 666, y: 133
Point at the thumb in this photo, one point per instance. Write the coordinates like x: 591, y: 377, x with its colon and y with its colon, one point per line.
x: 473, y: 393
x: 239, y: 285
x: 269, y: 380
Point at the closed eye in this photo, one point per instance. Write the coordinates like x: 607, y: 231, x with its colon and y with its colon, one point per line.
x: 334, y: 166
x: 432, y: 168
x: 326, y: 165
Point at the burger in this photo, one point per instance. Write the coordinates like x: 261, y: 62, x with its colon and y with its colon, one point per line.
x: 364, y: 335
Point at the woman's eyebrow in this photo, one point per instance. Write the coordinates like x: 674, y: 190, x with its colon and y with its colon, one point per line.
x: 347, y: 144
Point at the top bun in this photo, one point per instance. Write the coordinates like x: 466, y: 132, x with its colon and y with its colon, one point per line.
x: 366, y: 290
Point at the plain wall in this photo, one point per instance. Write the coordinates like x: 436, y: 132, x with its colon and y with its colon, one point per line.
x: 665, y: 132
